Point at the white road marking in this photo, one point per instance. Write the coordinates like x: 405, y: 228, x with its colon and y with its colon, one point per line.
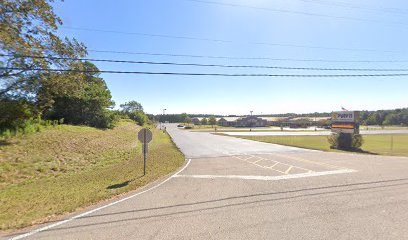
x: 249, y: 157
x: 305, y: 160
x: 271, y: 167
x: 288, y: 170
x: 269, y: 178
x: 96, y: 209
x: 257, y: 161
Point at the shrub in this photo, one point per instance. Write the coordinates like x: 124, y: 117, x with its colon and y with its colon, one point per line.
x: 139, y: 117
x: 346, y: 141
x: 13, y: 113
x: 7, y: 133
x: 357, y: 141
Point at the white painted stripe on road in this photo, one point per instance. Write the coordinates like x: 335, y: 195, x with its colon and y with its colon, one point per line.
x: 288, y: 170
x: 96, y: 209
x: 270, y: 178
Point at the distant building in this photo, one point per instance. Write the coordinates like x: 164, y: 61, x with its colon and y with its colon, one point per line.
x: 227, y: 121
x: 251, y: 121
x: 196, y: 121
x: 254, y: 121
x: 300, y: 122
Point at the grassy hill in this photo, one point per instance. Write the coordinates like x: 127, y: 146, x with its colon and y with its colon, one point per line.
x: 63, y: 168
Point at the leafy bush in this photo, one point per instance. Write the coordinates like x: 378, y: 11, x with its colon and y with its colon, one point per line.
x: 358, y: 141
x: 346, y: 141
x: 140, y: 117
x: 27, y: 127
x: 13, y: 113
x: 105, y: 119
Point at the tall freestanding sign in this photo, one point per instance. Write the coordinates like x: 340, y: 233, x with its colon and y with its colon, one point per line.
x: 145, y: 136
x: 345, y: 122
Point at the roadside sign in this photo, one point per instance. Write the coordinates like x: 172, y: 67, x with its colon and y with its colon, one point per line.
x: 345, y: 116
x: 345, y: 122
x: 145, y: 135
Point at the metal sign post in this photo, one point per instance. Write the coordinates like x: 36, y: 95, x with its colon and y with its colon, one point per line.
x: 145, y: 136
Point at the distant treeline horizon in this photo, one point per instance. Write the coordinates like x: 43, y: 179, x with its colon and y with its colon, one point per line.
x: 397, y: 116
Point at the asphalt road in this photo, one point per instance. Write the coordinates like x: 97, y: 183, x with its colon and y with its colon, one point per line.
x: 240, y: 189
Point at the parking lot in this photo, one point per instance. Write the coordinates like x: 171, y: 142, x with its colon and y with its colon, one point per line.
x: 268, y: 167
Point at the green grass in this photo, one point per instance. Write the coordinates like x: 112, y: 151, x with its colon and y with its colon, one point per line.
x: 375, y: 144
x: 59, y: 170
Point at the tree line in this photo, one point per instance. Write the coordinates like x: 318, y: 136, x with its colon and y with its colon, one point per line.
x: 76, y: 96
x: 385, y: 117
x: 379, y: 117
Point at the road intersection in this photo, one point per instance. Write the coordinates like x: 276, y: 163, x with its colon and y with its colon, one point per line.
x: 233, y: 188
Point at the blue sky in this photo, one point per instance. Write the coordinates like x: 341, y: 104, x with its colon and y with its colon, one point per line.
x: 358, y: 30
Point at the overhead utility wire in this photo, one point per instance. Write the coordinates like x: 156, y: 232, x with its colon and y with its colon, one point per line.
x: 356, y: 6
x: 224, y: 41
x: 294, y: 12
x: 209, y: 74
x: 245, y: 58
x: 212, y: 65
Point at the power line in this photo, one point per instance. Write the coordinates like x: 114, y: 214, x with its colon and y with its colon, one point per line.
x: 356, y: 6
x: 210, y: 74
x: 212, y: 65
x: 245, y: 58
x: 293, y: 12
x: 224, y: 41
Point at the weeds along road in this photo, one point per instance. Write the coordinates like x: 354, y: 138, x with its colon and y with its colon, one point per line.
x: 240, y: 189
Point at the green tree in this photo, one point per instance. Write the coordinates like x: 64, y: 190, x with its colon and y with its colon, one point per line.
x: 183, y: 117
x: 188, y: 120
x: 28, y: 28
x: 28, y: 41
x: 204, y: 121
x: 88, y: 106
x: 212, y: 121
x: 392, y: 119
x: 134, y: 110
x: 131, y: 106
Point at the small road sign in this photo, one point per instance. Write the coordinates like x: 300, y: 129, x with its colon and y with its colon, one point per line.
x: 145, y: 135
